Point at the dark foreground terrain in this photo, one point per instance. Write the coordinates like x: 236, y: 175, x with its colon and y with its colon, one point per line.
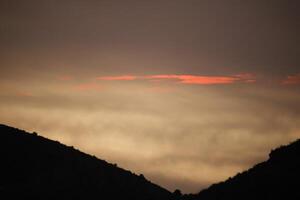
x: 276, y: 178
x: 33, y: 167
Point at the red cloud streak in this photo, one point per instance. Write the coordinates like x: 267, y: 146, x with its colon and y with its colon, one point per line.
x: 202, y: 80
x: 292, y: 80
x: 117, y: 78
x: 206, y: 80
x: 189, y: 79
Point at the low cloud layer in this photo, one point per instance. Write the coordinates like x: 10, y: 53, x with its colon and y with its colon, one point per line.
x: 187, y: 139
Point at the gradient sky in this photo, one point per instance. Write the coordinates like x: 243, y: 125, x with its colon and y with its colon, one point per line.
x: 186, y: 92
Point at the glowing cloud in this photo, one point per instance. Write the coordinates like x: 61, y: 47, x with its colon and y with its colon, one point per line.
x: 117, y: 78
x: 203, y: 80
x: 188, y: 79
x: 206, y: 80
x: 246, y: 77
x: 292, y: 80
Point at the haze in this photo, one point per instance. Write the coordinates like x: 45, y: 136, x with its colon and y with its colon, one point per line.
x: 187, y: 93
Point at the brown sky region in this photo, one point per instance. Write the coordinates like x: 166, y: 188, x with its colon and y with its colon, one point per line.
x: 186, y: 92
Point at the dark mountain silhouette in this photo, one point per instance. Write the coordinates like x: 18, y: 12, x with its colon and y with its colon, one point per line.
x: 38, y: 168
x: 276, y: 178
x: 33, y: 167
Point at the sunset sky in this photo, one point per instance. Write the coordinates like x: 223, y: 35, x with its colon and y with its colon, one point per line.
x: 186, y: 92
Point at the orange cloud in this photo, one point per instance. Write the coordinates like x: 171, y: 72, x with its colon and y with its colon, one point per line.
x: 246, y: 77
x: 117, y: 78
x: 188, y: 79
x: 191, y: 79
x: 291, y: 80
x: 206, y: 80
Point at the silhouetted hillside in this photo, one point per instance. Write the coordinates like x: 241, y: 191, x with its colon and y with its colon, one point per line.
x: 38, y: 168
x: 276, y: 178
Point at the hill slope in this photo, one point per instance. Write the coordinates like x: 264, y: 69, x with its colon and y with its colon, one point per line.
x: 276, y: 178
x: 38, y: 168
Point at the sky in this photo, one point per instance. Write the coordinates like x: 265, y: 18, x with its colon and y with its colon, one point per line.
x: 187, y: 93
